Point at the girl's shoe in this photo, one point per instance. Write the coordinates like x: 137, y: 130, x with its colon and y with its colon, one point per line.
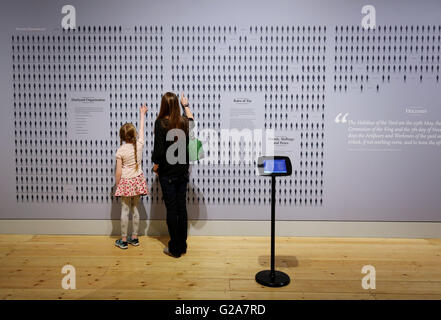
x: 133, y: 242
x: 121, y: 244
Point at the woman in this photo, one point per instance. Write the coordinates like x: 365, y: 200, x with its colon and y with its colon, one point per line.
x: 172, y: 134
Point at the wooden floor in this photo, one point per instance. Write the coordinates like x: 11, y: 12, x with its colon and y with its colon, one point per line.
x: 218, y: 268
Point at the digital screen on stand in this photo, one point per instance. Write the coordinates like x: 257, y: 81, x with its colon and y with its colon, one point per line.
x: 274, y: 166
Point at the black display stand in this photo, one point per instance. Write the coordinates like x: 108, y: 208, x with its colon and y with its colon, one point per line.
x: 273, y: 278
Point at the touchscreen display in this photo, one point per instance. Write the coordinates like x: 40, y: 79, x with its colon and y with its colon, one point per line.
x: 274, y: 166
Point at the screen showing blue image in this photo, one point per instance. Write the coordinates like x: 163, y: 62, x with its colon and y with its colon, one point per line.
x: 274, y: 166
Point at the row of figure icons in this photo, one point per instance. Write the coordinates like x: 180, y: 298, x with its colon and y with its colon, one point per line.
x: 49, y: 80
x: 390, y: 39
x: 51, y: 40
x: 98, y: 43
x: 387, y: 51
x: 90, y: 69
x: 119, y: 54
x: 228, y: 184
x: 385, y: 60
x: 48, y: 110
x: 271, y: 57
x: 114, y: 29
x: 92, y: 86
x: 244, y: 40
x: 258, y: 66
x: 86, y: 54
x: 214, y: 173
x: 307, y: 84
x: 135, y: 44
x: 222, y: 71
x: 65, y: 155
x: 193, y: 195
x: 313, y: 75
x: 224, y: 74
x: 149, y: 70
x: 210, y: 102
x: 99, y: 167
x: 106, y: 52
x: 70, y: 144
x: 94, y: 168
x: 32, y: 120
x: 230, y: 198
x: 45, y: 168
x: 50, y: 121
x: 282, y: 87
x: 246, y: 186
x: 58, y: 75
x: 71, y: 57
x: 43, y: 99
x: 205, y: 175
x: 345, y: 87
x: 36, y: 131
x: 388, y: 68
x: 252, y: 29
x: 219, y: 82
x: 306, y: 168
x: 232, y: 192
x: 157, y: 199
x: 55, y: 80
x: 35, y: 127
x: 90, y: 62
x: 45, y: 157
x: 384, y: 78
x: 262, y: 53
x: 225, y: 185
x: 389, y: 29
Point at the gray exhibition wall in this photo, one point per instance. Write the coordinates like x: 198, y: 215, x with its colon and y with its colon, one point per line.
x: 359, y: 108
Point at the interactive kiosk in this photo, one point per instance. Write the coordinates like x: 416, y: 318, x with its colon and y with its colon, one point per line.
x: 272, y: 167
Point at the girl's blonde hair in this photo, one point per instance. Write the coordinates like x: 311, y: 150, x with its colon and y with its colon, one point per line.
x: 127, y: 133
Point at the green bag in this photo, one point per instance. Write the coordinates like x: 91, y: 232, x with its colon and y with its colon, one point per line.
x: 195, y: 150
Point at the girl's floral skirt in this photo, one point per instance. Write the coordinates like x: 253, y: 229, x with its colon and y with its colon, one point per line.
x: 130, y: 187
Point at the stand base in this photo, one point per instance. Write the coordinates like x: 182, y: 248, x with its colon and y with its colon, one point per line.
x: 275, y: 279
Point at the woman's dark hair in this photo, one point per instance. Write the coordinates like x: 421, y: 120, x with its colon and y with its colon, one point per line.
x: 170, y: 107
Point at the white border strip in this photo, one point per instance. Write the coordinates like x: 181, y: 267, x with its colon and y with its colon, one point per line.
x: 231, y: 228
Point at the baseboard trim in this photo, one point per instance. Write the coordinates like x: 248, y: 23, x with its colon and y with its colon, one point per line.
x: 231, y: 228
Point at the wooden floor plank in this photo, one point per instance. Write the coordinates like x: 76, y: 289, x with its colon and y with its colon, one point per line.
x: 218, y: 268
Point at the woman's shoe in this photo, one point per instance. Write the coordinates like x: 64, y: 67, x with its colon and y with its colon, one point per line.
x: 133, y: 242
x: 121, y: 244
x: 167, y: 252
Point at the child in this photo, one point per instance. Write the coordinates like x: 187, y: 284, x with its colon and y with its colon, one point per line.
x: 129, y: 177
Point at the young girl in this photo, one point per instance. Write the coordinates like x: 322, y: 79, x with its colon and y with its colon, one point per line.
x: 129, y: 177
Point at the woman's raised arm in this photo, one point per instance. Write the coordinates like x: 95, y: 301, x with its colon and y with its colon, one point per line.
x: 142, y: 112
